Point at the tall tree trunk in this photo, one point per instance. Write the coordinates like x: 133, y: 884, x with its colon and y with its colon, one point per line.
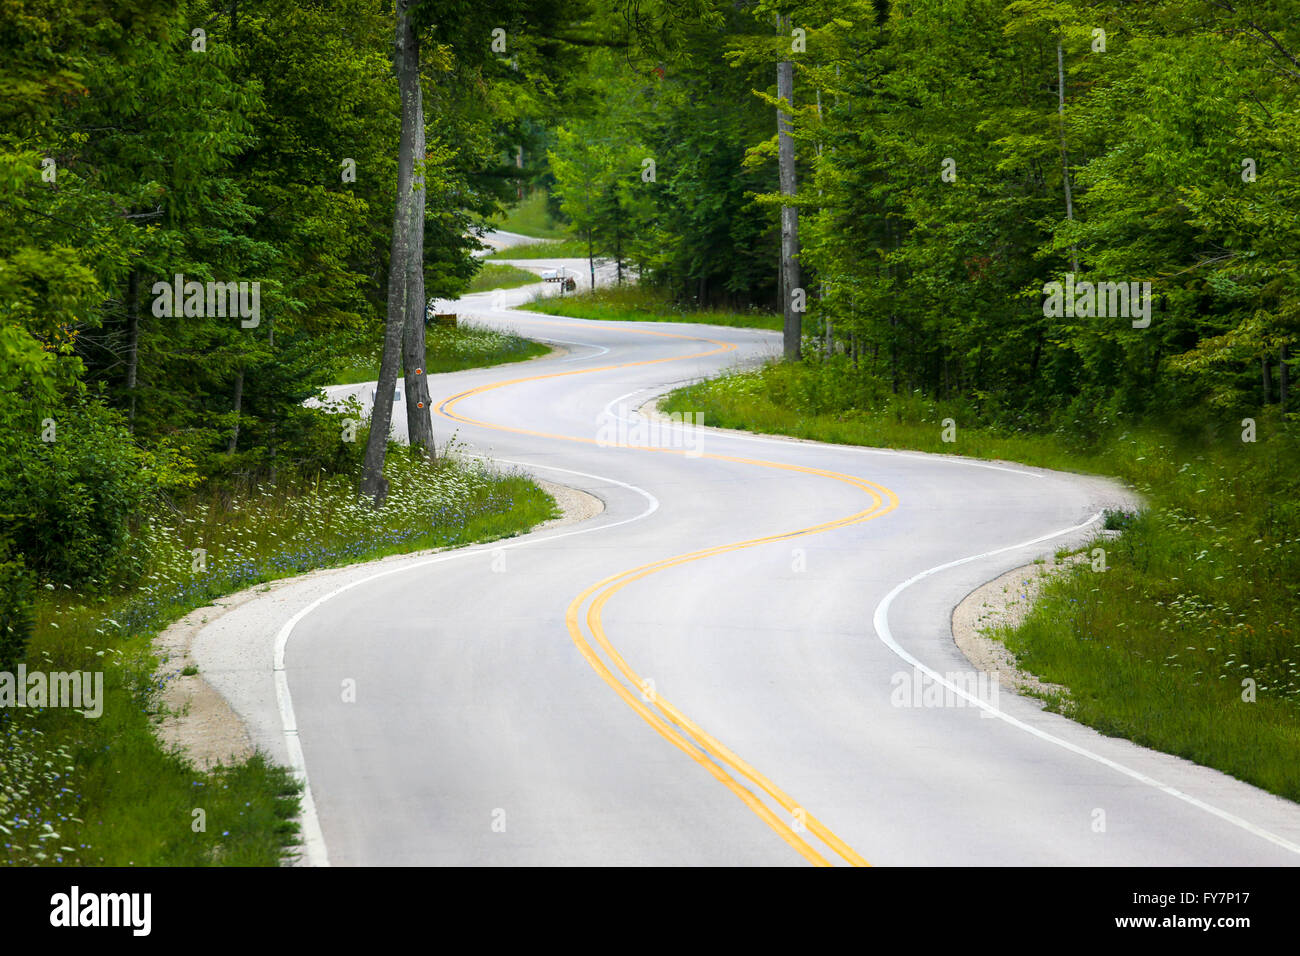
x: 618, y: 243
x: 1065, y: 159
x: 133, y: 340
x: 793, y: 325
x: 237, y: 404
x: 893, y: 354
x: 419, y: 420
x: 1284, y: 378
x: 1267, y: 378
x: 271, y: 428
x: 1037, y: 355
x: 373, y: 483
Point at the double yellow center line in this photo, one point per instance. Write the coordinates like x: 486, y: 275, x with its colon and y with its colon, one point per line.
x: 667, y: 720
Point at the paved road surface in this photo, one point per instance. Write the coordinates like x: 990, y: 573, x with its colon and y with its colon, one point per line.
x: 712, y: 670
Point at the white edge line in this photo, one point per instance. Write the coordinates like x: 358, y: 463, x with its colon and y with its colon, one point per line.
x: 313, y: 839
x: 881, y: 622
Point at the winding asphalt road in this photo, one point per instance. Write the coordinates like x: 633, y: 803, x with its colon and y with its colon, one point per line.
x: 718, y: 668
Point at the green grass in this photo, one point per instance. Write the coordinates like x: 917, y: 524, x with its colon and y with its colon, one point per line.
x: 78, y: 791
x: 631, y: 303
x: 530, y: 217
x: 559, y: 249
x: 450, y: 349
x: 498, y: 275
x: 1199, y: 592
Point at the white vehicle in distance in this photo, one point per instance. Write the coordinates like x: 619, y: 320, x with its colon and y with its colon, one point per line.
x: 565, y: 277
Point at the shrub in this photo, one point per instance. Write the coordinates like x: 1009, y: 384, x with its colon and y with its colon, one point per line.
x: 17, y: 590
x: 72, y: 498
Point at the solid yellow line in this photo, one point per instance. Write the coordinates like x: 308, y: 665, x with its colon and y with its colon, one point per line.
x: 616, y: 582
x: 655, y: 721
x: 711, y: 744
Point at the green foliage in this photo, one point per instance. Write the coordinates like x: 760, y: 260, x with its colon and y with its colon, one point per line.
x: 532, y: 216
x: 17, y: 592
x: 937, y: 283
x: 73, y: 497
x: 112, y: 795
x: 130, y: 155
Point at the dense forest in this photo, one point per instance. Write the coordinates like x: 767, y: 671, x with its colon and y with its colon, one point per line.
x: 954, y: 160
x: 1068, y: 218
x: 148, y: 145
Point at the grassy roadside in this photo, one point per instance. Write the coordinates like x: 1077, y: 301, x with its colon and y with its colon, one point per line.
x: 450, y: 349
x: 551, y: 249
x: 499, y: 275
x: 631, y: 303
x: 530, y: 217
x: 102, y: 791
x: 1189, y: 641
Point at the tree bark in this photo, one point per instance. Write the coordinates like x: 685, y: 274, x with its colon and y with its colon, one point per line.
x: 1284, y: 378
x: 237, y: 403
x: 793, y: 321
x: 373, y: 483
x: 618, y: 240
x: 893, y: 354
x: 133, y: 341
x: 1065, y: 159
x: 419, y: 420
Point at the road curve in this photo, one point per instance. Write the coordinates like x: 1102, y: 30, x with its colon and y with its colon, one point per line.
x: 716, y: 670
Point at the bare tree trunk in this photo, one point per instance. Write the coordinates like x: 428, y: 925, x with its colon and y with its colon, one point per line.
x: 1268, y: 379
x: 237, y: 403
x: 1284, y: 378
x: 373, y: 483
x: 893, y: 353
x: 272, y: 447
x: 419, y: 421
x: 618, y: 242
x: 1065, y: 159
x: 133, y: 340
x: 793, y: 324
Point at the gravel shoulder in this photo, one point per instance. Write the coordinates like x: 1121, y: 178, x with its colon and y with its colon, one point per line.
x: 1003, y: 603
